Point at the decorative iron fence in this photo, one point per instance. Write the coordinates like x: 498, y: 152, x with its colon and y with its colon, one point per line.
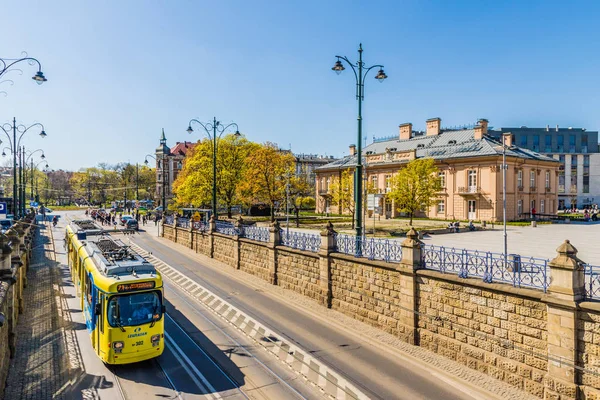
x: 592, y: 281
x: 301, y: 241
x: 183, y: 222
x: 227, y: 228
x: 370, y: 248
x: 256, y: 233
x: 490, y: 267
x: 169, y: 220
x: 199, y: 226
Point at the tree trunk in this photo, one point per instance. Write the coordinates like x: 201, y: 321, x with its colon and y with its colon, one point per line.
x: 411, y: 218
x: 297, y: 210
x: 272, y: 211
x: 229, y: 211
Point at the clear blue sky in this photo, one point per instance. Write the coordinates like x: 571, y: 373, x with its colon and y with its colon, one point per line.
x: 119, y: 71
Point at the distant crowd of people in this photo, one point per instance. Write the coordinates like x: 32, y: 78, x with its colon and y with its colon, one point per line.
x: 108, y: 218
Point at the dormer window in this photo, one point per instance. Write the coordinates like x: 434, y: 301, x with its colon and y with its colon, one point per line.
x: 420, y: 146
x: 452, y: 142
x: 393, y: 149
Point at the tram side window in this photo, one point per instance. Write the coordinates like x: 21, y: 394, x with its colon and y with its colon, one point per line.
x: 101, y: 317
x: 88, y: 289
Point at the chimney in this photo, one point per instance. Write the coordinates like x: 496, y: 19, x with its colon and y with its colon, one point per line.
x: 478, y: 132
x: 433, y: 126
x: 484, y: 124
x: 547, y: 128
x: 352, y: 149
x: 557, y: 128
x: 508, y: 139
x: 405, y: 131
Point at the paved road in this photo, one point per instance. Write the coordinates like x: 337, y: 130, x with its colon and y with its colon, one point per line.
x: 202, y: 359
x: 374, y: 370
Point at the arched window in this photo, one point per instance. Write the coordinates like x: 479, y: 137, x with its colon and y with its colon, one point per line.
x: 179, y: 165
x: 159, y: 164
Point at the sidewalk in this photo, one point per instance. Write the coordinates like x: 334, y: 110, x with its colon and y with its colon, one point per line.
x: 40, y: 366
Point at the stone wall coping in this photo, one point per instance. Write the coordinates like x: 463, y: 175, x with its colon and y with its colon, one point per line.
x: 4, y: 286
x: 224, y: 236
x: 305, y: 253
x: 589, y: 306
x: 476, y: 282
x: 254, y: 242
x: 374, y: 263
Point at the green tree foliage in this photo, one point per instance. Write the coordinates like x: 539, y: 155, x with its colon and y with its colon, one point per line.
x: 301, y: 192
x: 193, y: 186
x: 264, y: 176
x: 341, y: 191
x: 416, y: 186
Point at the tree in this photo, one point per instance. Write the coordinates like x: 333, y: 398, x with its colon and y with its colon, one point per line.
x: 264, y: 177
x: 193, y: 185
x: 301, y: 193
x: 416, y: 186
x: 342, y: 193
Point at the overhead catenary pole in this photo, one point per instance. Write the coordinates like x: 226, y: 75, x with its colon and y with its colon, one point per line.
x: 14, y: 143
x: 504, y: 168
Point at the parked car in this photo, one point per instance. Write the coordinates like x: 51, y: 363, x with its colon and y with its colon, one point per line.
x: 132, y: 224
x: 125, y: 218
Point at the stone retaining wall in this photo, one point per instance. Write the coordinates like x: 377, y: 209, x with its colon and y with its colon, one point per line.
x: 547, y: 344
x: 15, y: 250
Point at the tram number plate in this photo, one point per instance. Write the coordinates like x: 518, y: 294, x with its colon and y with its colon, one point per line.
x: 138, y: 343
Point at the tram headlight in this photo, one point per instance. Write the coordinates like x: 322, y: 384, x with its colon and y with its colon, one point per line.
x: 118, y: 347
x: 155, y: 339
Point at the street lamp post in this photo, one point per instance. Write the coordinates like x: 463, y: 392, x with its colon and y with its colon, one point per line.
x: 7, y: 64
x: 14, y: 145
x: 504, y: 168
x: 36, y: 198
x: 360, y: 95
x: 215, y: 127
x: 28, y: 155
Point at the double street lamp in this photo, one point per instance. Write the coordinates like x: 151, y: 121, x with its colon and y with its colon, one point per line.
x: 217, y: 128
x: 14, y: 147
x: 360, y: 73
x: 7, y: 64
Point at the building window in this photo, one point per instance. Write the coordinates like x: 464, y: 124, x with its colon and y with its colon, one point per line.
x: 574, y: 174
x: 472, y: 180
x: 523, y: 141
x: 561, y: 174
x: 441, y: 207
x: 374, y: 182
x: 442, y: 176
x: 547, y: 143
x: 536, y: 142
x: 571, y: 143
x: 179, y: 165
x: 388, y: 183
x: 159, y: 164
x: 560, y: 143
x: 532, y: 179
x: 542, y: 206
x: 519, y: 207
x: 586, y: 174
x: 532, y: 206
x: 520, y: 178
x: 584, y: 143
x: 547, y: 179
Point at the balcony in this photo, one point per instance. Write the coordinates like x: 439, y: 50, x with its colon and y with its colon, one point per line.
x: 532, y: 189
x: 469, y: 190
x: 548, y: 189
x: 520, y: 188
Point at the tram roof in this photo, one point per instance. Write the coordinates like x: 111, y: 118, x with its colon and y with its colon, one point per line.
x: 115, y: 258
x: 87, y: 226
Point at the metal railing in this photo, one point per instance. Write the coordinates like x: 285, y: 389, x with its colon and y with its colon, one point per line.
x: 301, y: 241
x: 200, y: 226
x: 169, y: 219
x: 256, y: 233
x: 490, y: 267
x: 371, y: 248
x: 226, y: 228
x: 183, y: 222
x: 592, y: 281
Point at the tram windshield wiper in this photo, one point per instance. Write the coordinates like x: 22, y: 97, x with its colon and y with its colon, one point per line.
x: 118, y: 315
x: 154, y: 314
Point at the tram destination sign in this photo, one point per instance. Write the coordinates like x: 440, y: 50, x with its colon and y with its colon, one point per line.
x: 130, y: 287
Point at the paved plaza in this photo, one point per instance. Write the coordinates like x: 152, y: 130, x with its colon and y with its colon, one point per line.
x: 541, y: 241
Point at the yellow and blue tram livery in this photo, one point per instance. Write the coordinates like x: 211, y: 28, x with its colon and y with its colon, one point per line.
x: 121, y: 295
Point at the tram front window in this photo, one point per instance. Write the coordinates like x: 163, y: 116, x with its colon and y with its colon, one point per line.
x: 134, y: 309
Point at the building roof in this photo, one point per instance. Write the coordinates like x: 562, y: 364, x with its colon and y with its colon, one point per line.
x: 182, y: 148
x: 449, y: 144
x: 162, y: 147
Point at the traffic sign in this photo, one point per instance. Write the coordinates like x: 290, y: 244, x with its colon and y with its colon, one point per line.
x: 3, y: 210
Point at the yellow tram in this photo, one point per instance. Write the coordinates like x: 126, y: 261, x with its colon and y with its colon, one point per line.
x: 121, y: 295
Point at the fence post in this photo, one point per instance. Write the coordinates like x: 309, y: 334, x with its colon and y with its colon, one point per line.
x: 411, y: 260
x: 327, y: 247
x: 191, y: 229
x: 274, y: 241
x: 567, y: 288
x: 212, y: 228
x: 175, y: 228
x: 236, y: 242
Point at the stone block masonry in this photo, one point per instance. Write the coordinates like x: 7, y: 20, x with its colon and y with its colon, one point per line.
x: 546, y: 344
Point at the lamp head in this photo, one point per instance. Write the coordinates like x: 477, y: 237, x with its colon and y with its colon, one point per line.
x: 146, y: 161
x: 39, y: 77
x: 3, y: 153
x: 381, y: 76
x: 189, y: 129
x: 43, y: 156
x: 338, y: 67
x: 237, y: 133
x: 43, y: 134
